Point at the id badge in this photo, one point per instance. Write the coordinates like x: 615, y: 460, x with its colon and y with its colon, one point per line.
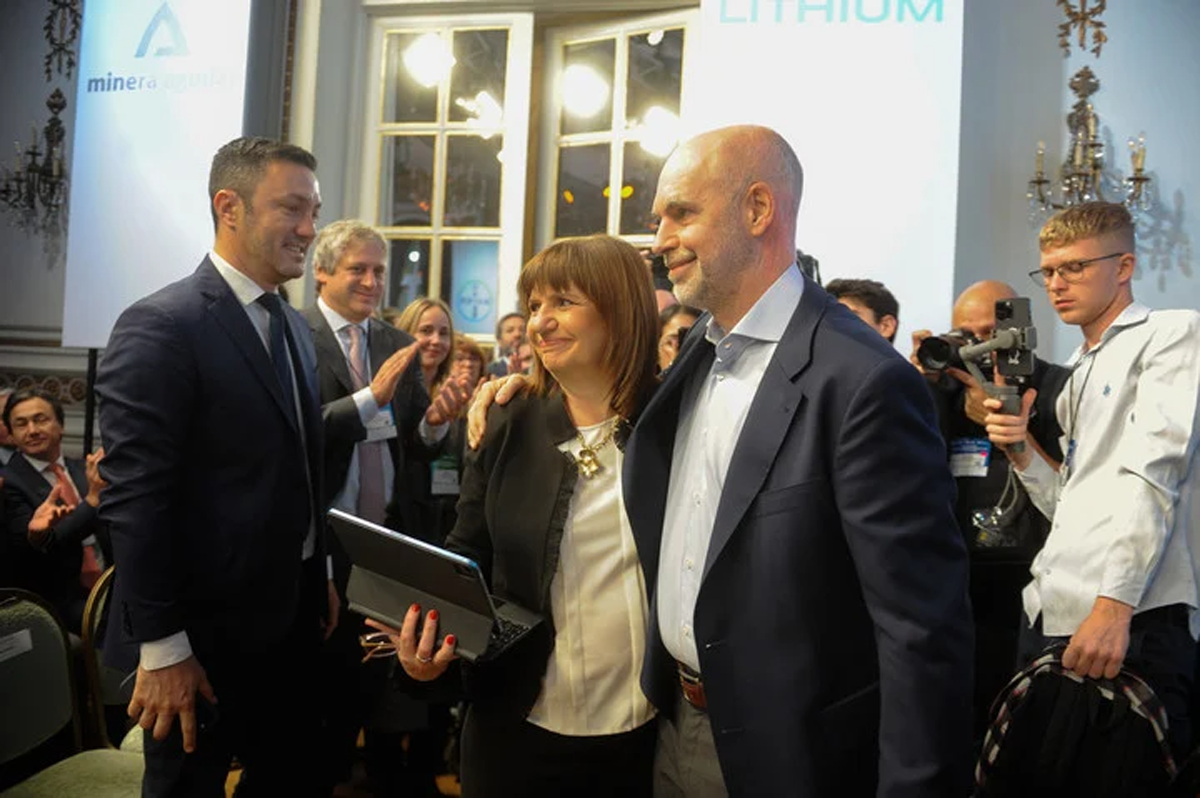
x: 383, y: 426
x: 969, y: 457
x: 444, y: 477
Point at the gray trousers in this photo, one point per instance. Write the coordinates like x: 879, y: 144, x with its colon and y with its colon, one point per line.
x: 685, y: 762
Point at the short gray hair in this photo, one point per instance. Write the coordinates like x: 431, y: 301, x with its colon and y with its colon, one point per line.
x: 336, y: 237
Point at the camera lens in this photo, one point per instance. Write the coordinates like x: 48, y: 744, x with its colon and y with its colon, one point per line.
x: 935, y: 353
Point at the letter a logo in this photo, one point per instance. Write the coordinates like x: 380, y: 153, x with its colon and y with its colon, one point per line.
x: 163, y: 18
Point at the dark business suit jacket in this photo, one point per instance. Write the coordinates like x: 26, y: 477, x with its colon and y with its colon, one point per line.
x: 832, y: 621
x: 209, y: 495
x: 515, y: 496
x: 51, y: 570
x: 343, y: 425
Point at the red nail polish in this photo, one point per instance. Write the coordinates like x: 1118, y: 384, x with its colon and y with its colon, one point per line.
x: 450, y: 640
x: 415, y: 608
x: 433, y: 616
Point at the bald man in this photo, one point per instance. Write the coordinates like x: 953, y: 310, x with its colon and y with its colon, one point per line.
x: 1003, y: 529
x: 788, y: 491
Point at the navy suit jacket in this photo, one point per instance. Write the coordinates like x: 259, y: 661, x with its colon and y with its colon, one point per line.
x: 832, y: 619
x: 208, y: 501
x: 51, y: 570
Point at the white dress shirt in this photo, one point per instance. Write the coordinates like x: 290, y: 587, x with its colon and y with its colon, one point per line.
x: 598, y: 602
x: 175, y: 648
x: 1125, y: 508
x: 711, y: 416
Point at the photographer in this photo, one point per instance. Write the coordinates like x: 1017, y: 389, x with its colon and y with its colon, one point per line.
x: 1003, y: 528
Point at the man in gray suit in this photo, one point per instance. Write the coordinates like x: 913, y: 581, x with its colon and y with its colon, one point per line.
x: 377, y: 414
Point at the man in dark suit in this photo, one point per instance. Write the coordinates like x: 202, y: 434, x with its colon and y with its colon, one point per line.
x: 211, y: 422
x: 377, y: 413
x: 57, y: 545
x: 810, y: 631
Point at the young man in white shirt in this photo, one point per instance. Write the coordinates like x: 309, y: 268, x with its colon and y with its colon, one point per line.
x: 1116, y: 577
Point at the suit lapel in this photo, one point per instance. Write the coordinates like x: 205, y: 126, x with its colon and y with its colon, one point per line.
x: 28, y: 478
x: 775, y: 405
x: 232, y: 318
x: 330, y: 356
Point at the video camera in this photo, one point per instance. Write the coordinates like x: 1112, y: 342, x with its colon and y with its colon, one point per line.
x: 1013, y: 341
x: 940, y: 352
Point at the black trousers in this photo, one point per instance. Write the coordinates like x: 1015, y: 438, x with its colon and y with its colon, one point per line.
x: 266, y: 715
x: 1161, y: 651
x: 507, y: 758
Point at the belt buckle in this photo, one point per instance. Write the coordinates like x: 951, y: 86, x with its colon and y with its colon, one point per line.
x: 692, y: 687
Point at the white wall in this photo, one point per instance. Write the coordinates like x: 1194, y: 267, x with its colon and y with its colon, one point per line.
x: 31, y: 268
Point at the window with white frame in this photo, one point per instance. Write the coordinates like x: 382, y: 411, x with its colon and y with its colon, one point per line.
x: 611, y: 119
x: 444, y: 159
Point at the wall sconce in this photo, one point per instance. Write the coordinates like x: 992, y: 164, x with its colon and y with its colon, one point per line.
x: 34, y: 190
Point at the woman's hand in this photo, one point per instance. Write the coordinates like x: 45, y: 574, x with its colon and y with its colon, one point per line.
x: 417, y: 656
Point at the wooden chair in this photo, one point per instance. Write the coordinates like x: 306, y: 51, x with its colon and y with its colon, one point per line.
x: 37, y: 692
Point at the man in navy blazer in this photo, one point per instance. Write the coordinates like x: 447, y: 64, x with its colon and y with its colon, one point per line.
x: 50, y: 526
x: 211, y: 421
x: 810, y: 632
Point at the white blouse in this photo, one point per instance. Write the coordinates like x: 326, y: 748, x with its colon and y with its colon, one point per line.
x: 598, y: 602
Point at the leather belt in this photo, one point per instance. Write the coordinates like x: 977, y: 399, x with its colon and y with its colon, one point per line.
x: 692, y: 687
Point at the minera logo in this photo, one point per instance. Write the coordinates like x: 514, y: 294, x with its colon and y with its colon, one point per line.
x: 163, y: 18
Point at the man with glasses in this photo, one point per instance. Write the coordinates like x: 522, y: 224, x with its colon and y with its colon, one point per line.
x: 1116, y: 579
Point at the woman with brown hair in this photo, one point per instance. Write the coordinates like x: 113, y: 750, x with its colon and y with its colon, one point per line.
x: 562, y: 712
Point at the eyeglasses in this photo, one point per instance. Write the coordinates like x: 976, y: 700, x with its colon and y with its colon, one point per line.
x: 1070, y: 272
x: 376, y: 645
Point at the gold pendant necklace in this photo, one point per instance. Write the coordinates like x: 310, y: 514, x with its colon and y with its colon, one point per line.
x: 587, y: 460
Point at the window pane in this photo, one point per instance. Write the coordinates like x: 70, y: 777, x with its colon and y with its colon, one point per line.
x: 655, y: 74
x: 472, y: 181
x: 415, y: 63
x: 470, y: 284
x: 638, y: 184
x: 586, y: 86
x: 406, y: 181
x: 582, y: 180
x: 408, y: 271
x: 482, y: 58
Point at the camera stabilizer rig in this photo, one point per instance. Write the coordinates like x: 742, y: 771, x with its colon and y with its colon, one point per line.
x: 1013, y: 341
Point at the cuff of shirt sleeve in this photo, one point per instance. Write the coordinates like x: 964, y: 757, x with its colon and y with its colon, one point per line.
x: 432, y: 435
x: 364, y: 400
x: 166, y: 652
x: 329, y: 567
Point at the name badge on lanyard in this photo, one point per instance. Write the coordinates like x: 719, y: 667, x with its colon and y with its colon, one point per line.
x: 970, y: 457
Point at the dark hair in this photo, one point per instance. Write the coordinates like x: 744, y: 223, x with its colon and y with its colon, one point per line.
x: 612, y: 275
x: 513, y: 315
x: 871, y: 293
x: 239, y: 165
x: 672, y: 311
x: 25, y: 395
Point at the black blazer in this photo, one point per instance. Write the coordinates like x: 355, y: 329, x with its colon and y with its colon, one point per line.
x: 51, y: 571
x: 208, y: 498
x: 515, y: 494
x: 344, y: 428
x: 832, y: 621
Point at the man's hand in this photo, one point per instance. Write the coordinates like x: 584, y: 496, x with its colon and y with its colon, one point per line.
x: 48, y: 513
x: 451, y: 398
x: 95, y: 482
x: 499, y: 391
x: 334, y: 611
x: 1005, y: 430
x: 387, y: 376
x: 1098, y: 647
x: 160, y: 695
x: 975, y: 394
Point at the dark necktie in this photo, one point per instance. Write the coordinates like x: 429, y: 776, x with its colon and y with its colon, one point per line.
x: 280, y: 358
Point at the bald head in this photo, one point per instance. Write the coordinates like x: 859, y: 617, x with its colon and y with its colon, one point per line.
x: 737, y: 157
x: 975, y: 308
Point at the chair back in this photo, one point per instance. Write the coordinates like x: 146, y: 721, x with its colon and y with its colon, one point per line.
x: 36, y: 676
x: 104, y: 682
